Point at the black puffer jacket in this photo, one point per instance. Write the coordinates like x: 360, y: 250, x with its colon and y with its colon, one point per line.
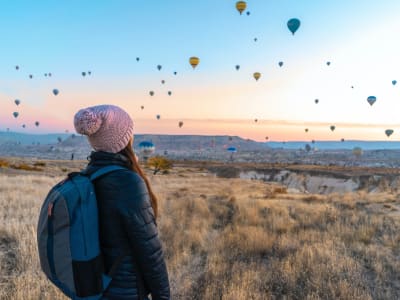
x: 127, y: 222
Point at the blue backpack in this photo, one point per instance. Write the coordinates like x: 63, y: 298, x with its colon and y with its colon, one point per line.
x: 68, y: 237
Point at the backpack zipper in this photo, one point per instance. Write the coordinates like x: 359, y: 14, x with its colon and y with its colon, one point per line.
x: 83, y: 230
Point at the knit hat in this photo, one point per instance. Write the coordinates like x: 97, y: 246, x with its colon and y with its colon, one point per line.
x: 108, y: 127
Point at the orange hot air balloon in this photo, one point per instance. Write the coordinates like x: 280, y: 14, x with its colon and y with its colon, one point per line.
x: 194, y: 61
x: 241, y: 6
x: 257, y: 75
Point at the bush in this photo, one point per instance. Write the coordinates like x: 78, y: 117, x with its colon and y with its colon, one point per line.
x: 39, y: 164
x: 4, y: 163
x: 159, y: 163
x: 25, y: 167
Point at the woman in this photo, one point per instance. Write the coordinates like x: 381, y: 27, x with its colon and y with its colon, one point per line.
x: 127, y: 207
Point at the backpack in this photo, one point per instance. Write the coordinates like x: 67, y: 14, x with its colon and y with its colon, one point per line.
x: 68, y: 237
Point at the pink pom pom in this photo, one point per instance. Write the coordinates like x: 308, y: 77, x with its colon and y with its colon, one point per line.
x: 87, y: 122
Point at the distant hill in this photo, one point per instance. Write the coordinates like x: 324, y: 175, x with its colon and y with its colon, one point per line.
x: 182, y: 142
x: 196, y: 142
x: 337, y: 145
x: 29, y: 139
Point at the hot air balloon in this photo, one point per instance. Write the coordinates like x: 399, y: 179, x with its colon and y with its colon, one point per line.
x: 49, y: 74
x: 389, y: 132
x: 158, y: 117
x: 328, y: 63
x: 371, y: 100
x: 332, y: 127
x: 316, y: 101
x: 307, y: 147
x: 17, y: 102
x: 137, y: 58
x: 256, y: 120
x: 237, y: 67
x: 306, y: 130
x: 23, y: 125
x: 169, y: 93
x: 159, y: 67
x: 175, y: 73
x: 280, y: 63
x: 357, y: 151
x: 313, y: 142
x: 83, y: 74
x: 163, y: 81
x: 37, y: 123
x: 151, y: 93
x: 16, y: 67
x: 342, y: 140
x: 146, y: 148
x: 45, y: 74
x: 241, y: 6
x: 248, y: 13
x: 293, y: 25
x: 30, y: 76
x: 194, y: 61
x: 89, y: 73
x: 15, y: 114
x: 142, y: 107
x: 55, y: 92
x: 352, y: 87
x: 59, y: 139
x: 180, y: 124
x: 266, y: 138
x: 231, y: 150
x: 255, y: 39
x: 394, y: 82
x: 257, y: 75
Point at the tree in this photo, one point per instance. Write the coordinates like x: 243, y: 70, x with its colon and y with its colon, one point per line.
x: 159, y: 163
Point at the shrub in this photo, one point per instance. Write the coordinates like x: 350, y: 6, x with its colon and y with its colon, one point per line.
x: 39, y: 164
x: 4, y: 163
x: 26, y: 167
x: 159, y: 163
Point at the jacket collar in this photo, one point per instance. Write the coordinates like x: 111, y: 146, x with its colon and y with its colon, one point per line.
x: 101, y: 159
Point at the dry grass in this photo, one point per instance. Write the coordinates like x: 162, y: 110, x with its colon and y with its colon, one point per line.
x: 233, y: 239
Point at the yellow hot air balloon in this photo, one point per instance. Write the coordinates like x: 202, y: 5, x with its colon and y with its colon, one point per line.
x: 194, y: 61
x: 241, y: 6
x: 257, y: 75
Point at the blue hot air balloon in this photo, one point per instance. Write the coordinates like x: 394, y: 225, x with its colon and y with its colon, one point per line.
x: 15, y: 114
x: 231, y: 150
x: 55, y: 92
x: 158, y: 117
x: 17, y: 101
x: 146, y: 148
x: 280, y: 63
x: 389, y: 132
x: 293, y: 25
x: 394, y: 82
x: 371, y: 100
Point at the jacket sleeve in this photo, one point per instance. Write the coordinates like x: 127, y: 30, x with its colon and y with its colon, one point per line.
x: 139, y: 223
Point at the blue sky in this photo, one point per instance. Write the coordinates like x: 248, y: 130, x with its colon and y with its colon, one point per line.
x: 360, y: 38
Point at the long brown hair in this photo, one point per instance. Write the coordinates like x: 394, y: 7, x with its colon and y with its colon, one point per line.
x: 128, y: 152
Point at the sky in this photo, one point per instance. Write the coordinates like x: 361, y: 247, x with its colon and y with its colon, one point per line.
x: 360, y: 39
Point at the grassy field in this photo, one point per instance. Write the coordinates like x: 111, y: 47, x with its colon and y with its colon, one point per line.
x: 228, y: 238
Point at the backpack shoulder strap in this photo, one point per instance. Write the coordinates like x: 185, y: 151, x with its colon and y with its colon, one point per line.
x: 105, y: 170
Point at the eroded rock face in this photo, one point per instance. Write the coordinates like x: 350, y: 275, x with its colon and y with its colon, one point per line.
x: 304, y: 182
